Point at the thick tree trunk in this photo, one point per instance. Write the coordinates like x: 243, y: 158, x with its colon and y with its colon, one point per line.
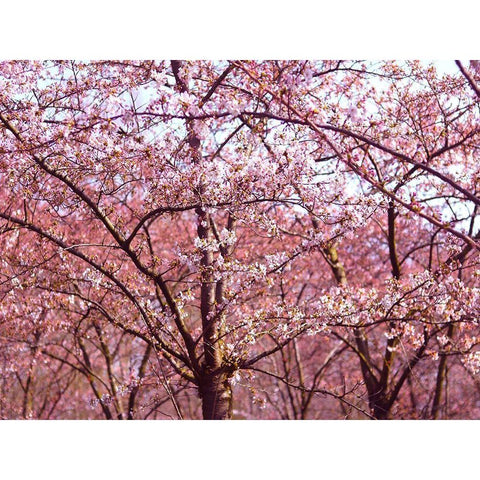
x: 380, y: 406
x: 441, y: 376
x: 214, y: 386
x: 380, y: 413
x: 216, y: 394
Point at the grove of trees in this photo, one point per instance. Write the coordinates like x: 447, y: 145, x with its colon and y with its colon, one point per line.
x: 239, y: 239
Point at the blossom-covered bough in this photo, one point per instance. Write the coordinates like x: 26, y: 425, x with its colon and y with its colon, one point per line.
x: 281, y: 239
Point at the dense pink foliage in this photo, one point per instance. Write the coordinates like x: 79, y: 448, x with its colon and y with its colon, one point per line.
x: 275, y: 239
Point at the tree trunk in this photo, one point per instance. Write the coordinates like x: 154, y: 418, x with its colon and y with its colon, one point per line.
x: 380, y: 407
x: 214, y: 386
x: 216, y: 394
x: 441, y: 375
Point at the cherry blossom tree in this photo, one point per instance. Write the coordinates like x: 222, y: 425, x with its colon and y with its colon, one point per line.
x: 246, y: 239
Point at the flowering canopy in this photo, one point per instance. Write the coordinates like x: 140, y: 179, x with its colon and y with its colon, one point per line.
x: 276, y: 239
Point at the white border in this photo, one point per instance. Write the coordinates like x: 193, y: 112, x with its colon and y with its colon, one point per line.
x: 257, y: 29
x: 229, y: 450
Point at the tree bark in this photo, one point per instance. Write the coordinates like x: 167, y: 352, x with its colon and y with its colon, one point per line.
x: 441, y: 375
x: 216, y: 394
x: 214, y: 380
